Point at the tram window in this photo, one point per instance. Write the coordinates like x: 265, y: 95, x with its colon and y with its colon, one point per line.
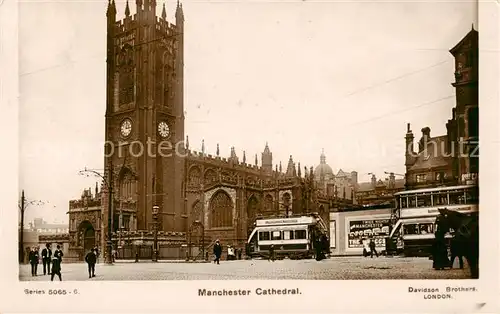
x: 411, y: 229
x: 426, y: 228
x: 300, y: 234
x: 276, y: 235
x: 471, y: 196
x: 457, y: 198
x: 264, y: 235
x: 424, y: 201
x: 287, y: 235
x: 412, y: 202
x: 404, y: 202
x: 440, y: 199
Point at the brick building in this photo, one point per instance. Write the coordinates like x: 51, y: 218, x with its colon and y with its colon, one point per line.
x: 453, y: 158
x: 196, y: 192
x: 378, y: 192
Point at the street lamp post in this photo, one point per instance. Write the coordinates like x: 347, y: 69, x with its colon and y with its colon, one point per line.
x: 109, y: 257
x: 109, y: 185
x: 155, y: 226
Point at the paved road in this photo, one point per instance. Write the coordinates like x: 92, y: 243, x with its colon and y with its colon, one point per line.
x: 330, y: 269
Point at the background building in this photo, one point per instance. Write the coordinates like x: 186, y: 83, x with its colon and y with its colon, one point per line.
x: 379, y: 192
x: 341, y: 185
x: 453, y: 158
x: 38, y: 233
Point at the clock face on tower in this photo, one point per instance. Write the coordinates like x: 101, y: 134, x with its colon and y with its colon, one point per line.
x: 126, y: 127
x: 163, y: 129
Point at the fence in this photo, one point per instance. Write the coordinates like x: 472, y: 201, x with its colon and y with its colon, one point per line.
x: 165, y: 252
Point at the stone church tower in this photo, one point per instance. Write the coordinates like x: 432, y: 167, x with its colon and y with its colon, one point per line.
x: 144, y: 128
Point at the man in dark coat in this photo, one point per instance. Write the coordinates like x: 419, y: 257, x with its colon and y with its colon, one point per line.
x: 217, y: 251
x: 56, y: 263
x: 372, y: 248
x: 58, y: 253
x: 56, y: 268
x: 440, y: 253
x: 46, y: 258
x: 271, y: 253
x: 34, y: 261
x: 456, y: 251
x: 91, y: 259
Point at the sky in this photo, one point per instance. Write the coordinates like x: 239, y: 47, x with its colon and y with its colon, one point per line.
x: 303, y: 76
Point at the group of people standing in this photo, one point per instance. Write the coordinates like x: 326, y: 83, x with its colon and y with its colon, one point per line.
x: 48, y: 259
x: 232, y: 253
x: 369, y: 248
x: 52, y: 261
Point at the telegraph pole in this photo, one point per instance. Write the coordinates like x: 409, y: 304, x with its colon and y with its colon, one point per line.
x: 21, y: 231
x: 22, y: 207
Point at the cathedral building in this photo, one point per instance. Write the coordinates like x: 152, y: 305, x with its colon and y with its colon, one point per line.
x: 151, y: 166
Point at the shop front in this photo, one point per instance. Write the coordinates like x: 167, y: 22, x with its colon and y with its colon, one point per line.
x: 351, y: 231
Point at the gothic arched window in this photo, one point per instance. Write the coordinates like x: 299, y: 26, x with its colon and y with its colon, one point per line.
x: 194, y: 176
x: 126, y: 74
x: 127, y: 185
x: 221, y: 210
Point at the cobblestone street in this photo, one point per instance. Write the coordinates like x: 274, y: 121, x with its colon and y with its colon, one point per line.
x: 339, y: 268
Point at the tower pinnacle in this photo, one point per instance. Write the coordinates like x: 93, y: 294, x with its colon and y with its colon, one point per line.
x: 164, y: 12
x: 127, y: 10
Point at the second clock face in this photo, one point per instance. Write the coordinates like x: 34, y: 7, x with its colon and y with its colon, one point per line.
x: 126, y: 127
x: 163, y: 129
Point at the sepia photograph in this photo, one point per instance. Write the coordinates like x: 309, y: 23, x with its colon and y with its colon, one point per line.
x: 204, y: 140
x: 295, y: 155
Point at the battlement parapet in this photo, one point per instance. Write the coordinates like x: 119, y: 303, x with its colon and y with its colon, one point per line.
x: 85, y: 203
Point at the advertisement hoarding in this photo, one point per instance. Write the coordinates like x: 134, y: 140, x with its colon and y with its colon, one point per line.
x: 361, y: 231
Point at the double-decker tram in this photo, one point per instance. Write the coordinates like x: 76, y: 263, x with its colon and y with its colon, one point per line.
x: 415, y: 216
x: 293, y: 237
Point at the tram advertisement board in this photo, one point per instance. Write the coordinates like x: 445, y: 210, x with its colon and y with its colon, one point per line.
x: 361, y: 231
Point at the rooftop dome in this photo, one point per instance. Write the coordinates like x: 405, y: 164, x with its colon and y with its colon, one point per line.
x: 323, y: 169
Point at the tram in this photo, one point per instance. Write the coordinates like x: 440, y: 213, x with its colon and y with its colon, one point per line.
x: 415, y: 216
x: 294, y: 237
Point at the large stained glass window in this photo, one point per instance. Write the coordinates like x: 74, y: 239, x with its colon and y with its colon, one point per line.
x: 221, y: 210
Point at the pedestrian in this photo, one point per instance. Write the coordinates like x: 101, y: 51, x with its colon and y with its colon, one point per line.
x: 439, y: 253
x: 372, y: 248
x: 366, y: 247
x: 46, y: 258
x: 456, y: 251
x: 217, y: 251
x: 271, y: 253
x: 239, y: 253
x: 33, y: 257
x: 56, y: 267
x: 58, y: 253
x: 96, y: 251
x: 91, y: 259
x: 230, y: 253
